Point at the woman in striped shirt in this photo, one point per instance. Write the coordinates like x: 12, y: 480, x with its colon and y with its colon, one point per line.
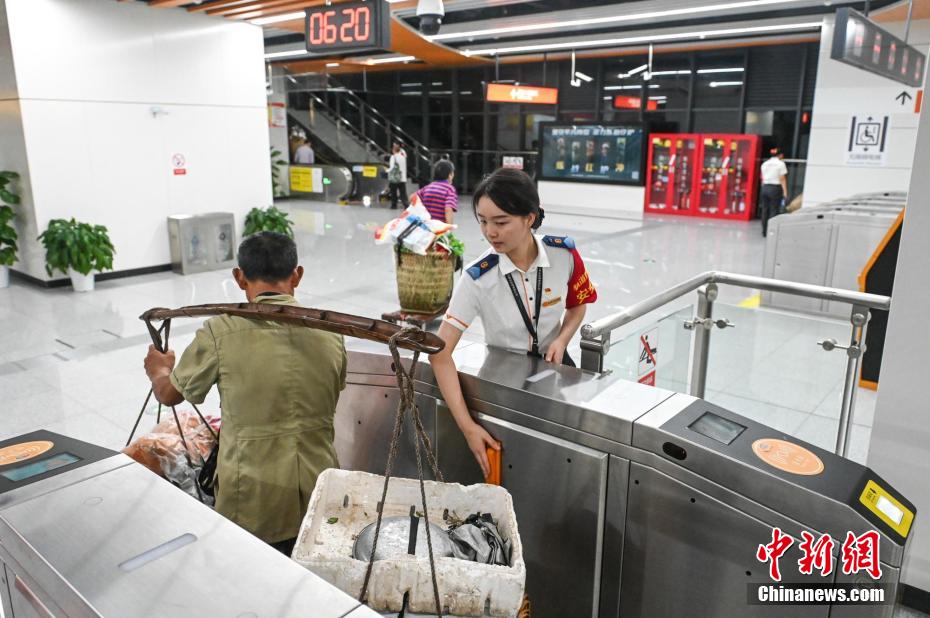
x: 440, y: 197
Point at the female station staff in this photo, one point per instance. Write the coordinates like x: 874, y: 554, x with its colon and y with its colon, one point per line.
x: 520, y: 288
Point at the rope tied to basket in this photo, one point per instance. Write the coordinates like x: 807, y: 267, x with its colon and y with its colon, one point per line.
x: 407, y: 404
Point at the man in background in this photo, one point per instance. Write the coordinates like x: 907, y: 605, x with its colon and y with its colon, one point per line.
x: 774, y: 187
x: 440, y: 197
x: 397, y: 176
x: 304, y: 154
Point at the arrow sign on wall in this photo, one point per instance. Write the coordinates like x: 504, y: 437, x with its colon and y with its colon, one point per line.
x: 903, y: 97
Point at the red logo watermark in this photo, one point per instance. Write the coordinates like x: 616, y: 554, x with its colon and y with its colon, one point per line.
x: 858, y: 553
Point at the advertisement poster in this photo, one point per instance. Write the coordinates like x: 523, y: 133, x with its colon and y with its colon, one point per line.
x: 592, y: 153
x: 277, y: 115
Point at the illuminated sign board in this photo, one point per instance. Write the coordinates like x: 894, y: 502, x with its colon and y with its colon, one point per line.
x: 622, y: 101
x: 509, y: 93
x: 860, y: 42
x: 348, y: 27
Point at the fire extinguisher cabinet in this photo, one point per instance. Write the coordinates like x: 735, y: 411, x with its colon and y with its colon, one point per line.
x: 673, y: 162
x: 706, y: 175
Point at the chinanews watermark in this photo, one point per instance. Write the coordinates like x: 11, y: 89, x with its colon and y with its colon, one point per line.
x: 858, y: 555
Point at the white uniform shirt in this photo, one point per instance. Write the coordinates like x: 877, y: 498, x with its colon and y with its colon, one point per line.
x: 772, y: 171
x: 399, y: 159
x: 565, y: 284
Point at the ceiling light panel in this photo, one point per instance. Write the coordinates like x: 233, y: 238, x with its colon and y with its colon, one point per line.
x: 646, y: 12
x: 681, y: 35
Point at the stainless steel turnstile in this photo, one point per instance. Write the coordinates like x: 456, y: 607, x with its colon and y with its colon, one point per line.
x: 86, y: 532
x: 829, y: 244
x: 632, y: 501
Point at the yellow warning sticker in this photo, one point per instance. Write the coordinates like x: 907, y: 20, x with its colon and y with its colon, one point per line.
x: 888, y: 509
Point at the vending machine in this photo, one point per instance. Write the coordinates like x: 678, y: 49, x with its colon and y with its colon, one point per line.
x: 670, y: 178
x: 706, y: 175
x: 728, y: 176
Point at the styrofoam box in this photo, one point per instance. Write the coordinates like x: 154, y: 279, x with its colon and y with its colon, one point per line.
x: 466, y: 588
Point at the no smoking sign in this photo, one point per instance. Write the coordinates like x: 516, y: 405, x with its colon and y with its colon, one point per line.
x: 178, y: 162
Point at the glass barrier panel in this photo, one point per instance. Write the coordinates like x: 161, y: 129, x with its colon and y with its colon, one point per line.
x: 656, y: 353
x: 769, y: 368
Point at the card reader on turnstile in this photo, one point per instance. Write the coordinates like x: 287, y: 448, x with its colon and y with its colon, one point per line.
x: 39, y: 455
x: 87, y: 532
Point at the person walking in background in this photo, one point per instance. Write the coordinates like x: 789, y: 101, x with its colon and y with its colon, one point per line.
x: 774, y: 188
x: 304, y: 154
x: 397, y: 176
x: 440, y: 197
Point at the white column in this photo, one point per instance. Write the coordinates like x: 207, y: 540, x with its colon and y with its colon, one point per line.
x: 900, y: 446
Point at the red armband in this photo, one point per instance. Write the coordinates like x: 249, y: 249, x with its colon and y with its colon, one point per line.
x: 580, y: 288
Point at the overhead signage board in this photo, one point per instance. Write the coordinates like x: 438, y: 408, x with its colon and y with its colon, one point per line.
x: 622, y: 101
x: 348, y: 27
x: 860, y: 42
x: 509, y: 93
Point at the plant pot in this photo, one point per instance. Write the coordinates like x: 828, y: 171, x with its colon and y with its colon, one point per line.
x: 4, y: 277
x: 81, y: 283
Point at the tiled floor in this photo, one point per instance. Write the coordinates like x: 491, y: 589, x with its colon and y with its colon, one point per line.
x: 72, y: 362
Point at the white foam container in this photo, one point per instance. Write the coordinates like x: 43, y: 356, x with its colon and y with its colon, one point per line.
x: 466, y: 588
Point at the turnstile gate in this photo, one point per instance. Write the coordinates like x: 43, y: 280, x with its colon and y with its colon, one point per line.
x: 86, y: 532
x: 633, y: 501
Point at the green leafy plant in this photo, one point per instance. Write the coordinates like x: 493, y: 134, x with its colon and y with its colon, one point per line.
x: 81, y: 246
x: 8, y: 237
x: 276, y: 164
x: 268, y: 220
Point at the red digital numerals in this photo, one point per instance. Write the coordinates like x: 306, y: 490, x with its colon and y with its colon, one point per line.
x: 351, y: 25
x: 858, y: 553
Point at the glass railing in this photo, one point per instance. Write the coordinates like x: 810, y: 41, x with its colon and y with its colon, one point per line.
x: 761, y: 360
x: 656, y: 353
x: 770, y: 368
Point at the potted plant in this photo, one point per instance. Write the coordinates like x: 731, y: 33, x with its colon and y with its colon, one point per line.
x: 78, y: 249
x: 8, y: 236
x: 268, y: 220
x: 276, y: 164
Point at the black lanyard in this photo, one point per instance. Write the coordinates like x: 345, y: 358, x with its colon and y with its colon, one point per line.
x: 531, y: 325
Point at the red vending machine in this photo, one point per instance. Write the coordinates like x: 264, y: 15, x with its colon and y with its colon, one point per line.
x: 673, y: 159
x: 728, y: 176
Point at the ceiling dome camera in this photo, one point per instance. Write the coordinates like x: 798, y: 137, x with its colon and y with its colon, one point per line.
x: 430, y: 13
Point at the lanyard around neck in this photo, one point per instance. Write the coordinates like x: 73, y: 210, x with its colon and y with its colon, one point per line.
x: 531, y: 325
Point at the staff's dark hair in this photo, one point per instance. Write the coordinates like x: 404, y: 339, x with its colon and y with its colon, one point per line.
x: 513, y: 191
x: 442, y: 169
x: 267, y: 256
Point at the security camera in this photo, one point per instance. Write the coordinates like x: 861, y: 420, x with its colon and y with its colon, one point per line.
x: 430, y: 13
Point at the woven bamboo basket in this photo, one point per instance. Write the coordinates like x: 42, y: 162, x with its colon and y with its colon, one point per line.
x: 424, y: 282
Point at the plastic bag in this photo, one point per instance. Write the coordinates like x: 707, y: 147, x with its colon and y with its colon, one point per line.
x: 477, y: 539
x: 414, y: 229
x: 162, y: 451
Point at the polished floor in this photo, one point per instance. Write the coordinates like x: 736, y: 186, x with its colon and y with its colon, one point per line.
x: 73, y: 362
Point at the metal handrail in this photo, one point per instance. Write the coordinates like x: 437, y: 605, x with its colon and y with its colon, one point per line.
x: 595, y: 337
x: 338, y: 119
x: 611, y: 322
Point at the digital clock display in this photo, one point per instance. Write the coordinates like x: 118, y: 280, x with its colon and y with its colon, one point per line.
x: 348, y: 27
x: 860, y: 42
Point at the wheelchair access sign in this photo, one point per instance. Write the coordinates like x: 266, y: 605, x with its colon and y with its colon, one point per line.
x: 867, y: 141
